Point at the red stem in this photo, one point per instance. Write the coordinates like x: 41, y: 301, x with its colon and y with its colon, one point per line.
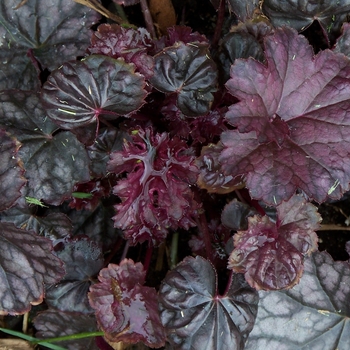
x: 148, y: 258
x: 148, y: 18
x: 219, y: 23
x: 229, y: 282
x: 204, y: 232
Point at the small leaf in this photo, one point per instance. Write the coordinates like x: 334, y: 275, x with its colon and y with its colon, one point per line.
x: 312, y: 315
x: 244, y: 9
x: 271, y: 254
x: 25, y: 270
x: 126, y: 310
x: 34, y: 201
x: 81, y: 195
x: 187, y: 70
x: 196, y: 317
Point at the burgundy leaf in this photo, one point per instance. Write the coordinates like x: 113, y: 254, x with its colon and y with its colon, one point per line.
x: 293, y: 125
x: 312, y: 315
x: 271, y: 254
x: 156, y: 194
x: 11, y: 171
x: 196, y: 316
x: 126, y: 310
x: 187, y: 69
x: 244, y: 9
x: 53, y: 323
x: 25, y: 270
x: 53, y: 163
x: 77, y: 93
x: 53, y: 39
x: 299, y: 14
x: 115, y: 41
x: 82, y: 259
x: 184, y: 34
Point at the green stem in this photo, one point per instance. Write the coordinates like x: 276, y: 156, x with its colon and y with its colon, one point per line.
x: 69, y: 337
x: 173, y: 251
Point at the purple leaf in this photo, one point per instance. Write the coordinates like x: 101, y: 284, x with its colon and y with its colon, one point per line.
x: 299, y: 14
x: 126, y: 2
x: 55, y: 31
x: 282, y: 145
x: 126, y: 310
x: 196, y: 316
x: 82, y: 259
x: 25, y: 270
x: 77, y: 93
x: 342, y: 44
x: 244, y: 9
x: 271, y: 254
x: 312, y: 315
x: 53, y: 323
x: 53, y: 163
x: 187, y: 69
x: 11, y: 171
x: 115, y: 41
x: 156, y: 194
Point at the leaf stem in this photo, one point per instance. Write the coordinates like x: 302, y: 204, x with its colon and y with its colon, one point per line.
x: 148, y: 258
x: 148, y: 18
x: 69, y: 337
x: 174, y: 248
x: 219, y: 23
x: 204, y: 231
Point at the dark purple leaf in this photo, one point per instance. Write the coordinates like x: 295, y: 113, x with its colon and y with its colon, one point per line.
x: 83, y: 259
x: 187, y: 69
x: 126, y: 2
x: 196, y: 317
x: 126, y: 310
x: 184, y: 34
x: 211, y: 177
x: 108, y: 140
x: 235, y: 215
x: 53, y: 163
x: 11, y: 171
x: 156, y: 194
x: 271, y: 254
x: 55, y: 31
x: 115, y: 41
x: 343, y: 43
x: 293, y: 125
x: 244, y: 9
x: 53, y: 323
x: 25, y: 270
x: 55, y: 226
x: 77, y: 93
x: 299, y: 14
x: 312, y: 315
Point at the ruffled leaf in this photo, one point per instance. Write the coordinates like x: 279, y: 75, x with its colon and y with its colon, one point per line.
x: 271, y: 254
x: 126, y: 310
x: 196, y: 316
x: 293, y: 121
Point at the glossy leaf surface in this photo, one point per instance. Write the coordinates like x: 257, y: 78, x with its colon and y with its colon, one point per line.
x: 196, y: 317
x: 125, y: 309
x: 293, y: 121
x: 271, y: 254
x: 53, y: 163
x: 25, y: 270
x: 11, y: 171
x: 187, y: 69
x: 312, y: 315
x: 55, y: 31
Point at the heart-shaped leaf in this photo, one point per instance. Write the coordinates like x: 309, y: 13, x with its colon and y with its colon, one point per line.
x: 196, y: 317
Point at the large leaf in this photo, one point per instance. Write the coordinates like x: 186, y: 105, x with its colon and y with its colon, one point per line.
x: 187, y: 69
x: 271, y: 254
x: 125, y: 309
x: 78, y: 92
x: 55, y: 31
x: 11, y: 171
x: 196, y: 316
x: 312, y: 315
x: 53, y: 323
x: 293, y: 121
x: 53, y: 163
x: 83, y: 260
x: 300, y: 14
x: 27, y: 263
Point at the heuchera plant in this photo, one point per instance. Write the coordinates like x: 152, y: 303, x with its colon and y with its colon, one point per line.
x: 164, y: 190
